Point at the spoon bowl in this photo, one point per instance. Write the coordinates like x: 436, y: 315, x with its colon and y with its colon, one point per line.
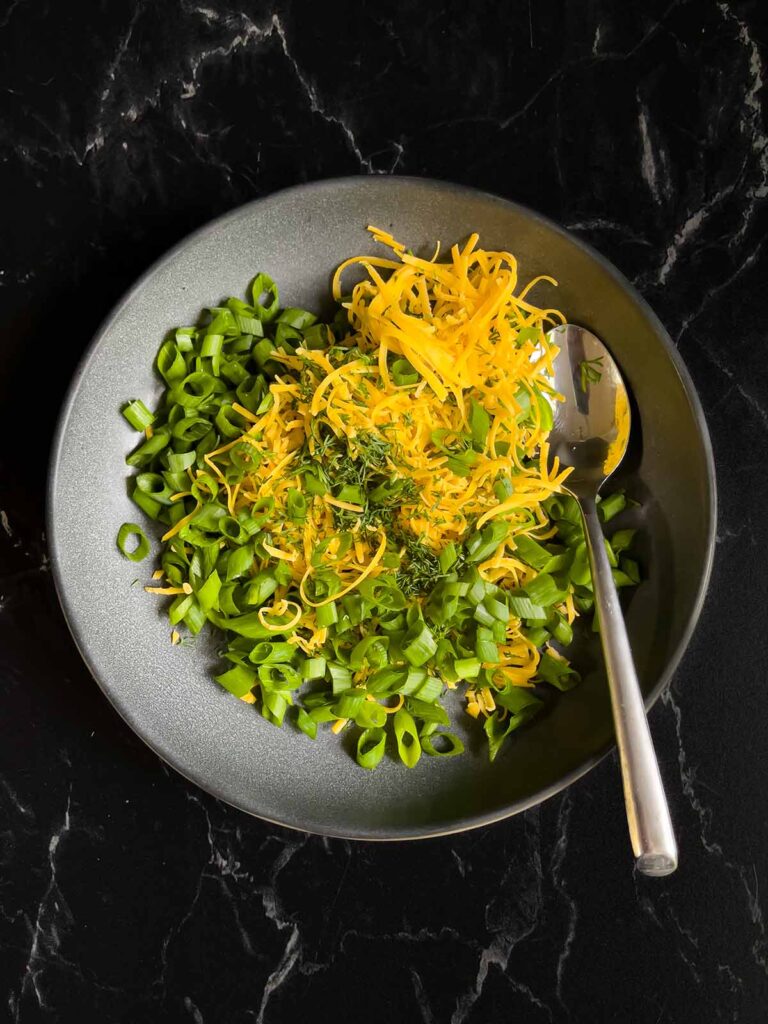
x: 592, y: 423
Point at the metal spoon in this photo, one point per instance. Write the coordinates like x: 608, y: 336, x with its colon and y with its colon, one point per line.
x: 590, y: 433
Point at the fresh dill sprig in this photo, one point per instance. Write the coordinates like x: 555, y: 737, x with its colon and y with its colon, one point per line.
x: 420, y: 568
x: 371, y: 449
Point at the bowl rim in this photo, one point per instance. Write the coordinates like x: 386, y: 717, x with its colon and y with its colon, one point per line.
x: 467, y: 822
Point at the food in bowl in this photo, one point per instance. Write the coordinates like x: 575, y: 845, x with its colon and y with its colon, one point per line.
x: 366, y: 508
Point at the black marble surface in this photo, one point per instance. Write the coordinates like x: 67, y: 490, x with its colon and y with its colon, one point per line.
x: 126, y: 895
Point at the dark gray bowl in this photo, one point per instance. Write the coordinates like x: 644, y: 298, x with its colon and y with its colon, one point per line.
x: 166, y: 694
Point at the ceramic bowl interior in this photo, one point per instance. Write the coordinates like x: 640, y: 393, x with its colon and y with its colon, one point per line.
x: 166, y: 693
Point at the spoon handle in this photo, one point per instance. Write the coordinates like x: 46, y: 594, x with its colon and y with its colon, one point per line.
x: 650, y: 826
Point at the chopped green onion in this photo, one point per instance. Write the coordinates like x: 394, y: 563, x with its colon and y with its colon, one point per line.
x: 631, y: 568
x: 264, y: 287
x: 327, y: 615
x: 467, y: 668
x: 170, y: 362
x: 341, y: 677
x: 557, y: 673
x: 349, y: 702
x: 544, y: 591
x: 239, y: 562
x: 208, y: 594
x: 427, y: 711
x: 419, y: 645
x: 313, y: 668
x: 278, y: 677
x: 138, y: 415
x: 486, y: 651
x: 270, y: 652
x: 442, y: 744
x: 296, y: 505
x: 322, y: 713
x: 307, y: 724
x: 131, y: 532
x: 431, y: 690
x: 448, y: 556
x: 313, y: 484
x: 370, y: 747
x: 237, y: 680
x: 274, y: 705
x: 479, y: 424
x: 262, y: 586
x: 403, y: 374
x: 579, y: 572
x: 179, y: 608
x: 407, y: 737
x: 537, y: 635
x: 622, y: 540
x: 561, y: 631
x: 522, y: 606
x: 611, y: 506
x: 149, y: 505
x: 351, y: 493
x: 481, y: 546
x: 386, y: 681
x: 531, y: 552
x: 297, y: 318
x: 144, y: 454
x: 370, y: 715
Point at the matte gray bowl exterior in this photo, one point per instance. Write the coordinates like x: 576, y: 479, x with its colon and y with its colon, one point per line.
x: 166, y: 694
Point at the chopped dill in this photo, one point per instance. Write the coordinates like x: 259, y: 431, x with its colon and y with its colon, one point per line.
x: 420, y: 569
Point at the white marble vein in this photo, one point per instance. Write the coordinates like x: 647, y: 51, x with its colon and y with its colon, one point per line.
x: 735, y: 984
x: 714, y: 353
x: 690, y: 953
x: 247, y: 34
x: 399, y: 149
x: 97, y: 137
x: 716, y: 290
x: 747, y: 877
x: 224, y: 868
x: 558, y: 859
x: 654, y: 164
x: 751, y: 119
x: 174, y: 932
x: 604, y: 224
x: 283, y: 970
x: 9, y: 12
x: 689, y: 230
x: 461, y: 867
x: 292, y: 952
x: 315, y: 103
x: 25, y: 811
x: 510, y: 919
x: 244, y: 33
x: 45, y: 940
x: 421, y: 998
x: 250, y: 33
x: 724, y: 534
x: 193, y: 1011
